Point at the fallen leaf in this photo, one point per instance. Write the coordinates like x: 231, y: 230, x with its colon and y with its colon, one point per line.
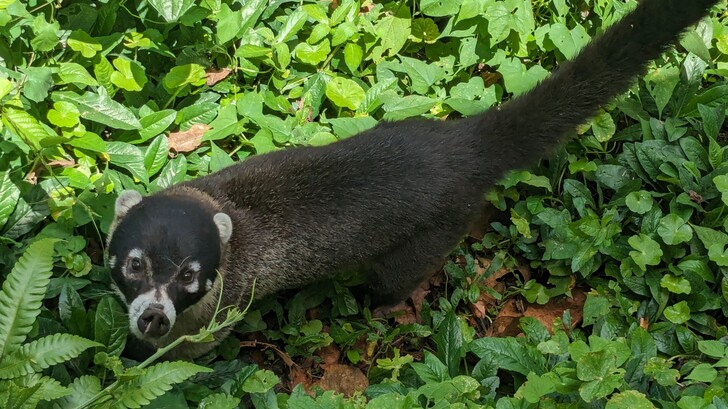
x: 31, y: 178
x: 644, y: 323
x: 213, y: 76
x: 186, y: 141
x: 62, y: 162
x: 478, y: 308
x: 343, y: 379
x: 506, y: 323
x: 418, y: 298
x: 299, y: 376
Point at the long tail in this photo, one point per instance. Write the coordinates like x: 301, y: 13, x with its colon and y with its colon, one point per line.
x: 523, y: 130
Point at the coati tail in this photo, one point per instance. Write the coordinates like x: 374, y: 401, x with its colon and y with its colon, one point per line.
x: 521, y: 131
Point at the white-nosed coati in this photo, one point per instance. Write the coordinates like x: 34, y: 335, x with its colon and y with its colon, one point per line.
x: 396, y: 198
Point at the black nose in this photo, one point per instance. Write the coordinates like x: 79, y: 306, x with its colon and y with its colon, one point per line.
x: 153, y: 322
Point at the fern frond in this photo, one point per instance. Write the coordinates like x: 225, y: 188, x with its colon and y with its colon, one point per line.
x: 22, y: 294
x: 155, y: 381
x: 42, y: 353
x: 82, y: 389
x: 48, y: 388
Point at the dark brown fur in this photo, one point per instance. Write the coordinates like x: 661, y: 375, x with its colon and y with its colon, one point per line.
x: 397, y: 198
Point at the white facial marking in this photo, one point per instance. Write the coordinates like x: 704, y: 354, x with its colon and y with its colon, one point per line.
x: 143, y: 301
x: 133, y: 253
x: 208, y: 285
x: 195, y: 266
x: 112, y: 261
x: 193, y: 287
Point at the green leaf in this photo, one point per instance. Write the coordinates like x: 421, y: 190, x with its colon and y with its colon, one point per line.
x: 693, y: 43
x: 648, y: 251
x: 345, y: 93
x: 83, y: 43
x: 156, y: 154
x: 9, y: 194
x: 72, y: 73
x: 424, y: 30
x: 703, y: 373
x: 129, y: 75
x: 64, y: 114
x: 629, y: 400
x: 603, y: 127
x: 713, y: 348
x: 440, y: 8
x: 46, y: 34
x: 677, y: 285
x: 517, y: 78
x: 640, y: 202
x: 569, y: 42
x: 128, y: 157
x: 25, y: 126
x: 353, y: 55
x: 99, y: 107
x: 260, y: 382
x: 721, y: 182
x: 155, y: 381
x: 156, y: 123
x: 219, y: 401
x: 712, y: 119
x: 312, y: 54
x: 449, y: 340
x: 674, y: 230
x: 22, y: 294
x: 599, y: 372
x: 500, y: 20
x: 43, y: 353
x: 537, y: 387
x: 181, y: 76
x: 111, y: 325
x: 510, y: 354
x: 422, y: 75
x: 171, y: 10
x: 678, y: 313
x: 409, y: 106
x: 393, y: 31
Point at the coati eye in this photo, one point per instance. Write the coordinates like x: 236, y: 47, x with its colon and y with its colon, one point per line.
x: 186, y: 277
x: 135, y: 265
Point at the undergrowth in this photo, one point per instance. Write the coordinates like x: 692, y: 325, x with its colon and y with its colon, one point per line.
x: 601, y: 279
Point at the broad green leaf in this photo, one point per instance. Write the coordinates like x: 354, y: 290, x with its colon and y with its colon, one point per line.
x: 393, y: 31
x: 22, y: 294
x: 129, y: 75
x: 312, y: 54
x: 647, y: 252
x: 128, y: 157
x: 345, y: 93
x: 536, y: 387
x: 603, y: 127
x: 517, y: 78
x: 440, y: 8
x: 500, y: 21
x: 693, y: 43
x: 673, y: 230
x: 721, y: 182
x: 569, y: 42
x: 353, y: 55
x: 156, y: 123
x: 64, y: 114
x: 676, y: 285
x: 424, y: 30
x: 629, y: 400
x: 9, y: 194
x: 181, y: 76
x: 219, y: 401
x: 713, y: 348
x: 83, y: 43
x: 111, y: 325
x: 678, y: 313
x: 510, y: 354
x: 422, y: 75
x: 171, y: 10
x: 260, y: 382
x: 156, y: 154
x: 703, y: 372
x: 70, y: 72
x: 99, y: 107
x: 409, y: 106
x: 43, y: 353
x: 45, y: 34
x: 640, y: 202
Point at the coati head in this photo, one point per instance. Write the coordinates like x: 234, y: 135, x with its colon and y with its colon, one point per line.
x: 164, y: 250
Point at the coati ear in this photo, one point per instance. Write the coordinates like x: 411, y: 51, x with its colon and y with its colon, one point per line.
x: 126, y: 200
x: 224, y: 226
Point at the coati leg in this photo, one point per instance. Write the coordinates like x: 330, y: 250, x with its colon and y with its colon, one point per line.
x: 399, y: 271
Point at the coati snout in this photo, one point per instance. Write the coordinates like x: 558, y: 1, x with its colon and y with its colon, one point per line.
x: 163, y: 254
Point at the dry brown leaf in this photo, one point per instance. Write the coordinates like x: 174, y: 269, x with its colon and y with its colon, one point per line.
x: 644, y: 323
x: 479, y: 309
x: 186, y: 141
x: 418, y: 298
x: 63, y: 162
x: 343, y: 379
x: 299, y: 376
x: 507, y: 321
x: 213, y: 76
x: 31, y: 178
